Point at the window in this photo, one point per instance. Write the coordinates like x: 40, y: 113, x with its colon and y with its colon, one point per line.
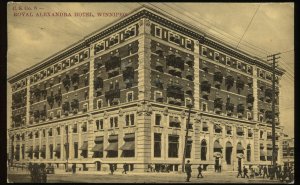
x: 75, y: 150
x: 157, y: 145
x: 50, y: 132
x: 204, y: 51
x: 74, y: 130
x: 37, y: 134
x: 204, y: 106
x: 188, y: 148
x: 158, y: 32
x: 203, y: 150
x: 217, y: 56
x: 158, y: 96
x: 173, y: 146
x: 114, y: 122
x: 261, y: 134
x: 85, y: 107
x: 58, y: 114
x: 248, y: 153
x: 174, y: 122
x: 157, y: 119
x: 129, y: 96
x: 99, y: 103
x: 99, y: 124
x: 188, y: 102
x: 129, y: 119
x: 51, y: 151
x: 99, y: 47
x: 239, y: 65
x: 261, y: 117
x: 228, y: 62
x: 84, y: 127
x: 188, y: 44
x: 249, y: 116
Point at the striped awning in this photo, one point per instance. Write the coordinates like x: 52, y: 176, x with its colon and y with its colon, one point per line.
x: 36, y: 149
x: 217, y: 127
x: 29, y: 150
x: 240, y: 147
x: 269, y: 146
x: 269, y: 153
x: 57, y: 149
x: 43, y: 149
x: 84, y: 146
x: 217, y: 145
x: 128, y: 145
x: 113, y: 138
x: 97, y: 148
x: 112, y: 147
x: 205, y: 125
x: 262, y: 153
x: 129, y: 136
x: 99, y: 138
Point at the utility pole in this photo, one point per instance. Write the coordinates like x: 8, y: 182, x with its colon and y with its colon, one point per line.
x: 186, y: 137
x: 273, y: 58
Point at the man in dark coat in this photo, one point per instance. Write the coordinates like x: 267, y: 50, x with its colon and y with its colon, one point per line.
x: 124, y: 168
x: 239, y: 172
x: 74, y: 168
x: 245, y: 170
x: 265, y: 172
x: 43, y: 174
x: 199, y: 171
x: 188, y: 170
x: 111, y: 167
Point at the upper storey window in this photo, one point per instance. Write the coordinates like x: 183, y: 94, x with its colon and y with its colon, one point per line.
x: 158, y: 32
x: 188, y: 44
x: 114, y: 40
x: 174, y: 38
x: 131, y: 32
x: 204, y: 51
x: 99, y: 47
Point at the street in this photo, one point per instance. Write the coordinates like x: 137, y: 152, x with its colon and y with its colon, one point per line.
x: 209, y: 177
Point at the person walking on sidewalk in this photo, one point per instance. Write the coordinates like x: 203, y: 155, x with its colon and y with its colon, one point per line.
x: 111, y: 167
x: 239, y: 172
x: 125, y: 168
x: 188, y: 170
x: 265, y: 172
x: 74, y: 168
x: 245, y: 170
x: 199, y: 171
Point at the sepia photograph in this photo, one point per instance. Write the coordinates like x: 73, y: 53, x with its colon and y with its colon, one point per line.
x: 150, y: 92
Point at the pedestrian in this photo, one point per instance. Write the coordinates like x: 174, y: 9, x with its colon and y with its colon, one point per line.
x: 124, y: 168
x: 265, y: 172
x: 252, y: 174
x: 150, y: 168
x: 74, y: 168
x: 220, y: 168
x: 245, y: 170
x: 216, y: 167
x: 199, y: 171
x: 35, y: 173
x: 239, y: 172
x: 30, y: 168
x: 111, y: 167
x: 188, y: 170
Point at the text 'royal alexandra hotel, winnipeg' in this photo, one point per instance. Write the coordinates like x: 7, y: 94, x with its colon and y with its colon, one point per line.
x: 121, y: 95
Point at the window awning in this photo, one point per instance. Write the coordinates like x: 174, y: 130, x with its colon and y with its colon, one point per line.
x: 84, y: 146
x: 172, y: 120
x: 189, y: 139
x: 159, y: 96
x: 36, y: 149
x: 205, y: 125
x: 29, y: 150
x: 97, y: 148
x: 269, y: 146
x: 43, y: 149
x: 262, y: 153
x: 229, y: 145
x: 99, y: 139
x: 112, y: 147
x: 269, y: 153
x: 57, y: 149
x: 129, y: 145
x: 250, y: 131
x: 129, y: 136
x: 176, y: 120
x: 240, y: 130
x: 218, y: 127
x: 113, y: 138
x: 217, y: 145
x: 158, y: 64
x: 240, y: 147
x: 228, y: 128
x: 262, y: 145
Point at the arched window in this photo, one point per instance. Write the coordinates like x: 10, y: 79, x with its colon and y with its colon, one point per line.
x: 248, y: 153
x: 228, y: 152
x: 203, y: 150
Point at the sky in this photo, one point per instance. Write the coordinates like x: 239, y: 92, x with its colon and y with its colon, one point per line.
x: 260, y: 29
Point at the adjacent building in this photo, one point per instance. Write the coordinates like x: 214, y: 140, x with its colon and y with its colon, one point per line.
x: 123, y: 93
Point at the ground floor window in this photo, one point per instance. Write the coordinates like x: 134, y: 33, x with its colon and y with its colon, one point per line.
x: 173, y: 146
x: 203, y: 150
x: 157, y: 145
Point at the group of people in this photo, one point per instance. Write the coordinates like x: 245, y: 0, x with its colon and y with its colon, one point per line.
x: 159, y: 168
x: 279, y: 173
x: 188, y: 170
x: 112, y: 168
x: 243, y: 173
x: 38, y: 173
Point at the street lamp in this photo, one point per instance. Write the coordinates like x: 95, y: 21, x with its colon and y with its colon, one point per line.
x: 186, y: 135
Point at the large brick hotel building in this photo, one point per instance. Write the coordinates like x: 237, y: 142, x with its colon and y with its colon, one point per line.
x: 122, y: 94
